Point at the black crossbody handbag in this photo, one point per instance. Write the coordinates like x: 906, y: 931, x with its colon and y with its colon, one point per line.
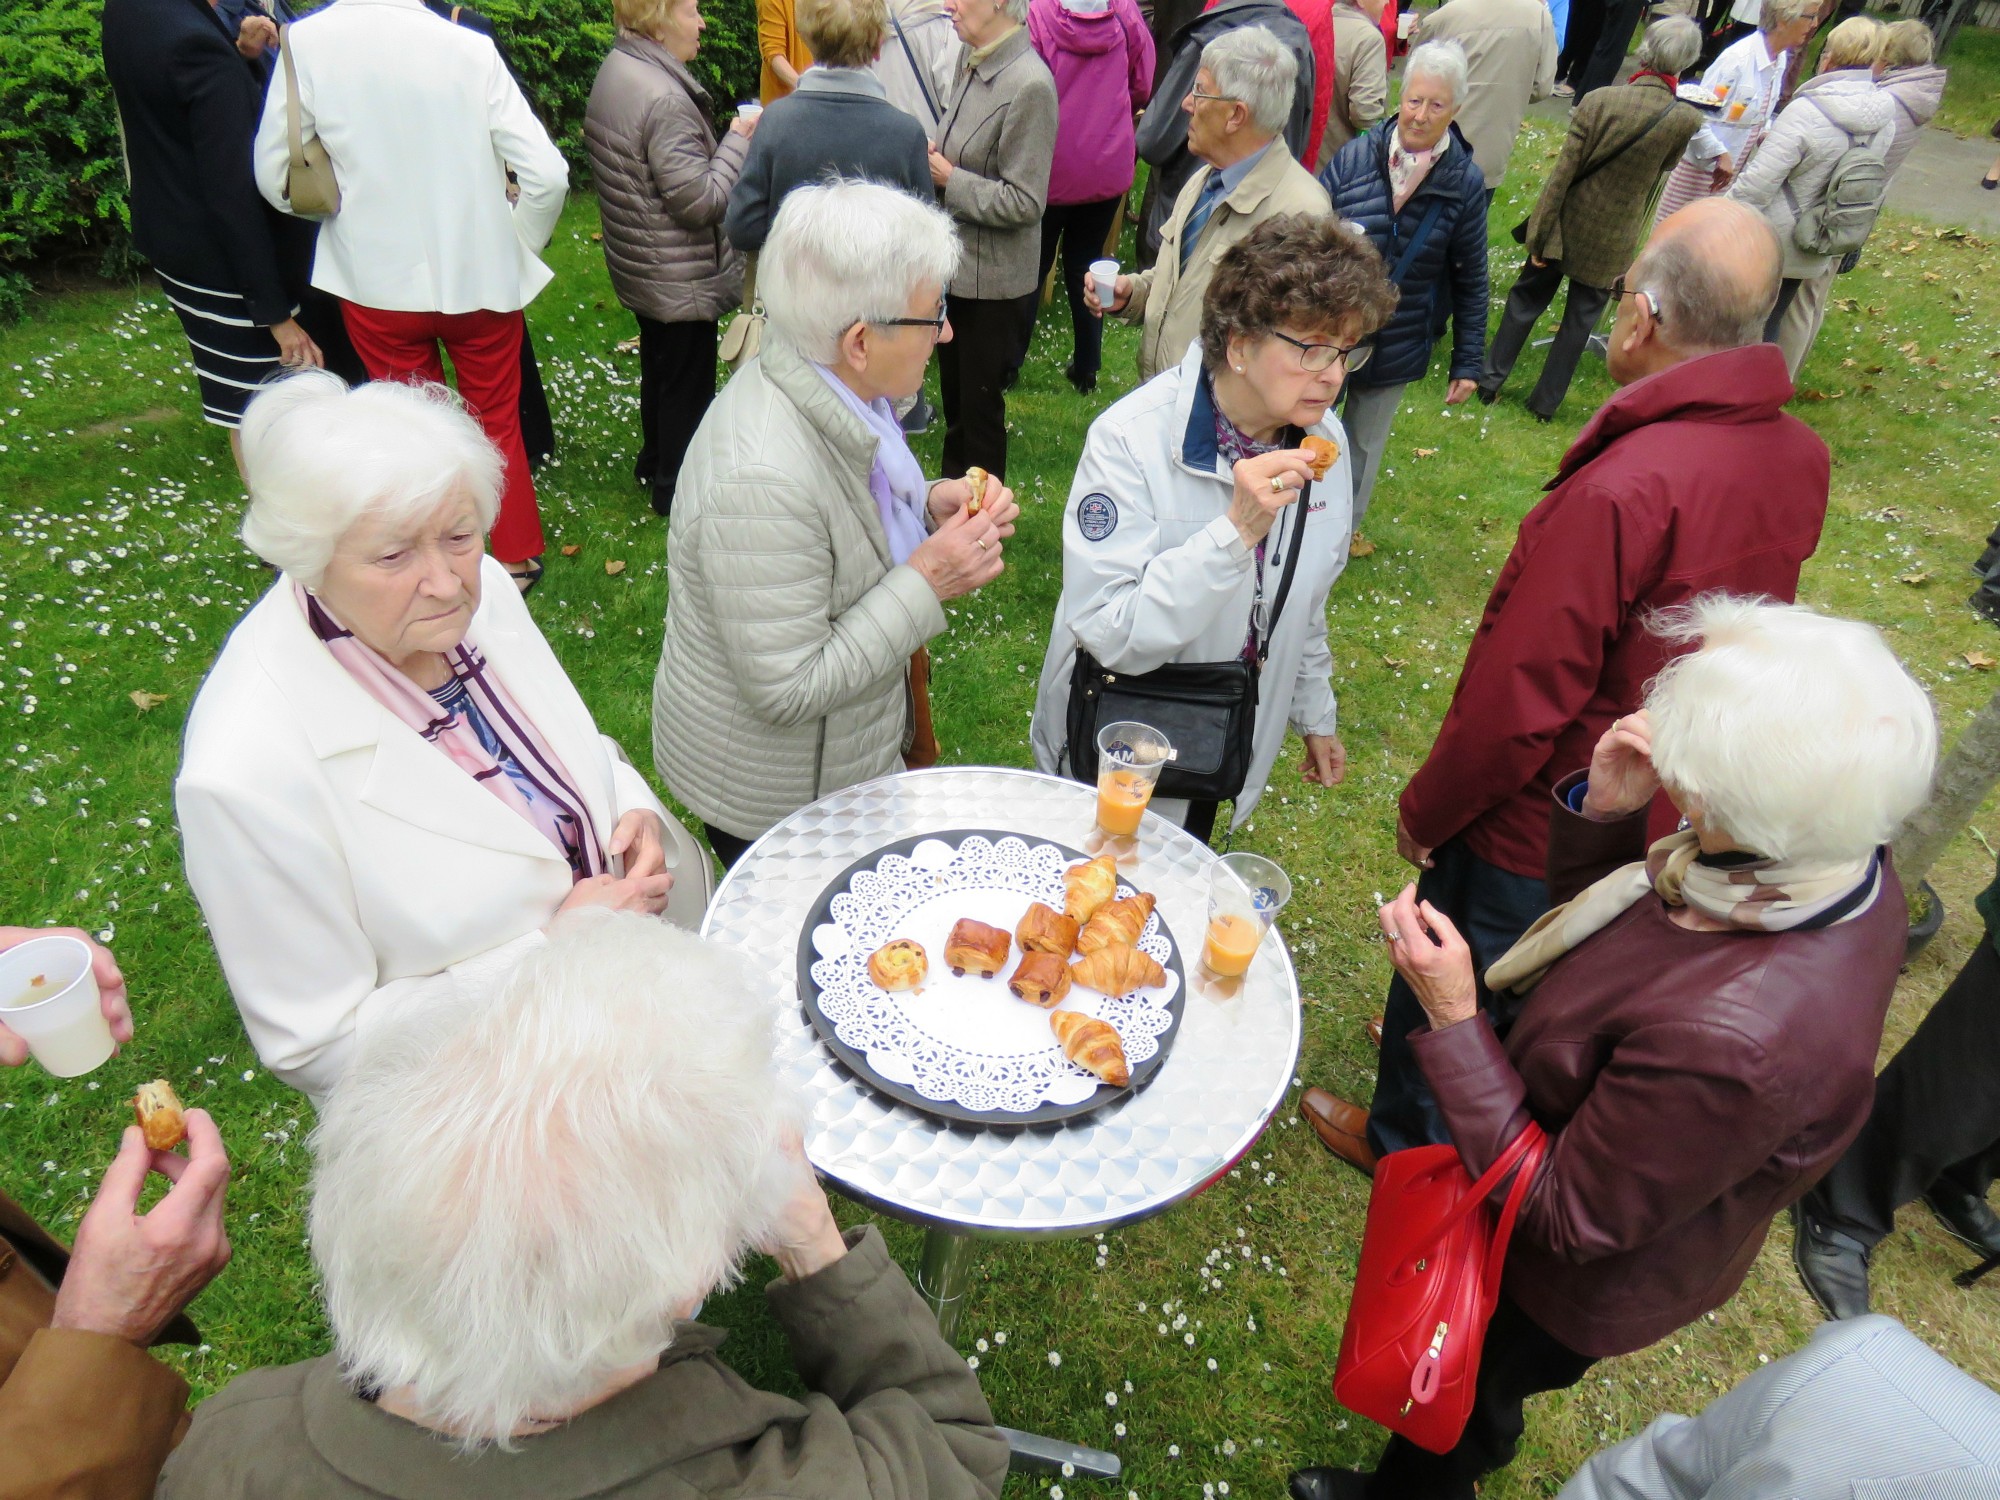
x: 1206, y: 709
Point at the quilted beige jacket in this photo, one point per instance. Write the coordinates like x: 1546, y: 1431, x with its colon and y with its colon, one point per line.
x: 784, y: 673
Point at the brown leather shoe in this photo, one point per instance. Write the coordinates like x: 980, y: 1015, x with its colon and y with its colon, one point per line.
x: 1373, y: 1026
x: 1341, y: 1127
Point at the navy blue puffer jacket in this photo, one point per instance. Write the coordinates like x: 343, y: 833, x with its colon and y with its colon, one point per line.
x: 1451, y: 264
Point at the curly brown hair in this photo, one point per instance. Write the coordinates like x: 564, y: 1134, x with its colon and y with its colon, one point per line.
x: 1297, y: 271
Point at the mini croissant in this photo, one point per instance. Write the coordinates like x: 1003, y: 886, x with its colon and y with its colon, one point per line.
x: 1088, y: 886
x: 1116, y: 922
x: 1117, y: 970
x: 1041, y: 979
x: 1043, y: 929
x: 975, y: 946
x: 1092, y: 1044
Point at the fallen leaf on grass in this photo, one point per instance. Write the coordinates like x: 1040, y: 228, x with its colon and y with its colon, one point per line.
x: 572, y: 549
x: 627, y: 346
x: 1909, y: 349
x: 1426, y: 452
x: 147, y: 702
x: 597, y: 237
x: 1914, y: 580
x: 1395, y: 663
x: 1847, y: 304
x: 1932, y: 278
x: 1980, y: 661
x: 1361, y: 547
x: 615, y: 567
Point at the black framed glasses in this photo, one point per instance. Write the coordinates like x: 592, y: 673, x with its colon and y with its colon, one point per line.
x: 1620, y: 291
x: 935, y: 325
x: 1314, y: 358
x: 1217, y: 98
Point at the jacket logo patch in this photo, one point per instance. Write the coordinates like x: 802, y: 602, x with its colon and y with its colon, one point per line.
x: 1096, y: 517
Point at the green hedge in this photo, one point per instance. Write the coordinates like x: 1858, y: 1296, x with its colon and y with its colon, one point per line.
x: 62, y: 186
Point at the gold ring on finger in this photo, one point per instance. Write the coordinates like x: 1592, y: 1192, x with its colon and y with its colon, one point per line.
x: 982, y: 543
x: 1278, y: 484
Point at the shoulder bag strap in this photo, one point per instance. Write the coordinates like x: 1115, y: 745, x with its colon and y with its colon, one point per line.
x: 1424, y: 227
x: 1291, y: 564
x: 915, y: 71
x: 1531, y: 1139
x: 292, y: 132
x: 1610, y: 156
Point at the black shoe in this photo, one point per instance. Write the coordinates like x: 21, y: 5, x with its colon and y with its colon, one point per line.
x: 919, y: 418
x: 1487, y: 396
x: 1965, y: 1217
x: 1833, y: 1267
x: 1986, y: 600
x: 1084, y: 384
x: 1327, y: 1484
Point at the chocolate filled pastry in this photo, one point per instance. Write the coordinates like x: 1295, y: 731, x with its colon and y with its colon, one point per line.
x: 1043, y: 929
x: 158, y: 1110
x: 976, y: 947
x: 1093, y: 1044
x: 975, y: 478
x: 1118, y: 970
x: 1041, y: 979
x: 899, y: 965
x: 1321, y: 453
x: 1116, y: 922
x: 1088, y: 886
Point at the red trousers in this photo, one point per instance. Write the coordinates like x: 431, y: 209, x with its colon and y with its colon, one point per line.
x: 485, y: 350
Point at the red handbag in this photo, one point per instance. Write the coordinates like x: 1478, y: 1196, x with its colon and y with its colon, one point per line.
x: 1428, y: 1282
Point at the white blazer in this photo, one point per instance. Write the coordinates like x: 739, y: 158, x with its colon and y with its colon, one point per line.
x: 421, y: 120
x: 344, y: 865
x: 1154, y: 571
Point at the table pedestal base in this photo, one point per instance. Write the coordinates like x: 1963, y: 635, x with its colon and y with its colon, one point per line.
x: 941, y: 1279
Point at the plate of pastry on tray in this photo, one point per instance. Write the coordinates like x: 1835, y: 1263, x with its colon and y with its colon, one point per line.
x: 990, y: 978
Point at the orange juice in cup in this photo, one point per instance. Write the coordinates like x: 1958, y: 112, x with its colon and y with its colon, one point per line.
x: 1245, y: 894
x: 1737, y: 109
x: 1130, y: 757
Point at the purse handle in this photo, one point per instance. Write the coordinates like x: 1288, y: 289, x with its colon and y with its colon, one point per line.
x: 293, y: 135
x: 1525, y: 1152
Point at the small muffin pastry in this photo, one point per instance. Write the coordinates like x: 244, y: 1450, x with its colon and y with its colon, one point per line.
x: 899, y: 965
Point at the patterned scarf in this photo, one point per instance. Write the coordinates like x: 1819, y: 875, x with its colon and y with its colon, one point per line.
x: 1756, y: 895
x: 555, y: 809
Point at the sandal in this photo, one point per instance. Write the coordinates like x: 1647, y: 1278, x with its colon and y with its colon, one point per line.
x: 1563, y: 91
x: 527, y: 575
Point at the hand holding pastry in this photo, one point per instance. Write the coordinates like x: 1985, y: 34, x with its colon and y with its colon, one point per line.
x: 1321, y: 453
x: 948, y: 497
x: 963, y: 554
x: 161, y: 1119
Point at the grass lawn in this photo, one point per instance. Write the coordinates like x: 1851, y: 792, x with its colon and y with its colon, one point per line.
x: 1972, y: 82
x: 1199, y: 1344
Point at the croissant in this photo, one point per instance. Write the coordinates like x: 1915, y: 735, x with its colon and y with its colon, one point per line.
x: 1116, y: 922
x: 1321, y: 453
x: 975, y: 946
x: 1041, y: 979
x: 1088, y: 886
x: 975, y: 478
x: 1043, y: 929
x: 1092, y: 1044
x: 899, y: 965
x: 1117, y: 970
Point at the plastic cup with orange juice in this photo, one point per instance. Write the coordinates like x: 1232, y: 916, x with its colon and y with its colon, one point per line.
x: 1245, y: 894
x: 1130, y: 757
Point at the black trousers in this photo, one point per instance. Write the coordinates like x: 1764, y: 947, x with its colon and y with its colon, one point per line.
x: 1491, y: 908
x: 1080, y: 229
x: 972, y: 374
x: 1936, y: 1116
x: 676, y: 384
x: 727, y: 846
x: 1788, y: 293
x: 1534, y: 289
x: 1520, y: 1359
x: 1586, y: 23
x: 1607, y: 59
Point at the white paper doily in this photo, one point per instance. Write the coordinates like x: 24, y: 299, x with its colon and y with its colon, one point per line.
x: 967, y: 1041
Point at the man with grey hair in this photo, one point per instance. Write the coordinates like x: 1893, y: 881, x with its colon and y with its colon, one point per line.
x: 1237, y: 109
x: 1691, y: 479
x: 1622, y: 140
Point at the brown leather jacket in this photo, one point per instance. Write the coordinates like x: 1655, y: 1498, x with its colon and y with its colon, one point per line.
x: 1692, y: 1083
x: 84, y: 1416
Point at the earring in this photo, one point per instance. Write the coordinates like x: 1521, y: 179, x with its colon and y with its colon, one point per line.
x: 1239, y: 369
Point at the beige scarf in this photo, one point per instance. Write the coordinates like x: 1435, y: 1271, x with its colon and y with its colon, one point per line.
x: 1757, y: 895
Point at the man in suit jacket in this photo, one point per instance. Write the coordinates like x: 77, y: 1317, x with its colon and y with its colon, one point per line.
x: 85, y: 1412
x: 1865, y: 1408
x: 1237, y: 109
x: 1510, y: 51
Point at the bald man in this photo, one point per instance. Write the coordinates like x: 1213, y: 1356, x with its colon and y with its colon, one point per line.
x: 1691, y: 478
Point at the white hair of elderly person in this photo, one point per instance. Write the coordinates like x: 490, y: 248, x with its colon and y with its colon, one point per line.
x: 1252, y: 67
x: 809, y: 558
x: 389, y: 785
x: 517, y: 1202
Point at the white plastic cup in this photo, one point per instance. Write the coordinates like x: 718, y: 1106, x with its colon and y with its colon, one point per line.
x: 749, y: 109
x: 49, y: 999
x: 1105, y: 274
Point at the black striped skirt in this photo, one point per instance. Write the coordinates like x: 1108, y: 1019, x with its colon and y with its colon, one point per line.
x: 232, y: 355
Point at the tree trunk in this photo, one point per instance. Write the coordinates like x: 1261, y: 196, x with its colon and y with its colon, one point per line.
x: 1964, y: 778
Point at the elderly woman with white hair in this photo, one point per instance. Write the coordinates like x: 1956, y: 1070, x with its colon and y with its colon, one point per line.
x: 1703, y: 1016
x: 512, y: 1219
x: 1412, y: 185
x: 809, y: 560
x: 389, y: 786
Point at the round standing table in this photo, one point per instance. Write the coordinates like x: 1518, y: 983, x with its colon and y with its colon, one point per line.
x: 1226, y: 1075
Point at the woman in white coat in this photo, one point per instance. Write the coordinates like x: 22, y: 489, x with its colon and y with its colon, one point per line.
x: 389, y: 786
x: 1185, y: 500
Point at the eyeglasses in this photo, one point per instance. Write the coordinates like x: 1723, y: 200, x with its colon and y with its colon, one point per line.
x: 935, y: 325
x: 1218, y: 98
x: 1314, y: 358
x: 1620, y: 291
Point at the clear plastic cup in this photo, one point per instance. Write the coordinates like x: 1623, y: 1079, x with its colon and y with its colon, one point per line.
x: 1105, y: 274
x: 1130, y: 757
x: 1245, y: 894
x: 749, y: 109
x: 48, y: 998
